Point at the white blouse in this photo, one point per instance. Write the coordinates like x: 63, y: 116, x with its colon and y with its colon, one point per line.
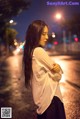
x: 44, y: 83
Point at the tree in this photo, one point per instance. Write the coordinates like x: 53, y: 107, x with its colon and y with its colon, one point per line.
x: 8, y: 38
x: 10, y: 8
x: 10, y: 35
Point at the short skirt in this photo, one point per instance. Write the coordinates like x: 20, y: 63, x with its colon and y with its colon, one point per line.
x: 54, y: 111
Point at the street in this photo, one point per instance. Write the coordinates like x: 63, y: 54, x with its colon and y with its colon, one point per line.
x: 70, y: 84
x: 14, y: 94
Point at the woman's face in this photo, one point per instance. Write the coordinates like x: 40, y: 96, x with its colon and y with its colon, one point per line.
x: 44, y: 36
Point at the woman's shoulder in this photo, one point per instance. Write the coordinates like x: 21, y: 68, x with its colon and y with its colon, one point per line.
x: 39, y: 53
x: 38, y: 50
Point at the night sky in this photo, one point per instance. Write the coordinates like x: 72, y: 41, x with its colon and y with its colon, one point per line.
x: 44, y: 10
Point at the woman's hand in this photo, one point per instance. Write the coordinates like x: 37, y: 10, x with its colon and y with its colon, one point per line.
x: 56, y: 68
x: 57, y: 77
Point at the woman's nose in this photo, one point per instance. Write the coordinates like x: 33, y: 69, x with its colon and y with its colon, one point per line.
x: 46, y: 37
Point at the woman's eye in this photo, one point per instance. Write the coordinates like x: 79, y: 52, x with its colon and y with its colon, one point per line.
x: 44, y: 34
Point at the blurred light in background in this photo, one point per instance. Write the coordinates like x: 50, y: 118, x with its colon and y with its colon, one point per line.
x: 11, y: 21
x: 58, y: 16
x: 76, y: 38
x: 55, y: 42
x: 19, y: 49
x: 49, y: 45
x: 53, y: 35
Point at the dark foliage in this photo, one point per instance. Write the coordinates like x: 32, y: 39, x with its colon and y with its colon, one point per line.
x: 10, y: 8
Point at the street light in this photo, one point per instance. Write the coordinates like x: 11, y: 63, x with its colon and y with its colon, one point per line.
x: 53, y: 35
x: 58, y: 16
x: 12, y: 22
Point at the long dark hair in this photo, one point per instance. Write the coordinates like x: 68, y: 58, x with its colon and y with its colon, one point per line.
x: 32, y: 40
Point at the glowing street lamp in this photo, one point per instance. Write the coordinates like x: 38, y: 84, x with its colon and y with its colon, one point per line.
x: 58, y: 16
x: 53, y: 35
x: 11, y: 21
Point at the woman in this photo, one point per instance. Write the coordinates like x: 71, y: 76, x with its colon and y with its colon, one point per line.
x: 42, y: 73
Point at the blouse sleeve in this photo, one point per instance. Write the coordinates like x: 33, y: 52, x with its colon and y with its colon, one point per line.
x: 43, y: 57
